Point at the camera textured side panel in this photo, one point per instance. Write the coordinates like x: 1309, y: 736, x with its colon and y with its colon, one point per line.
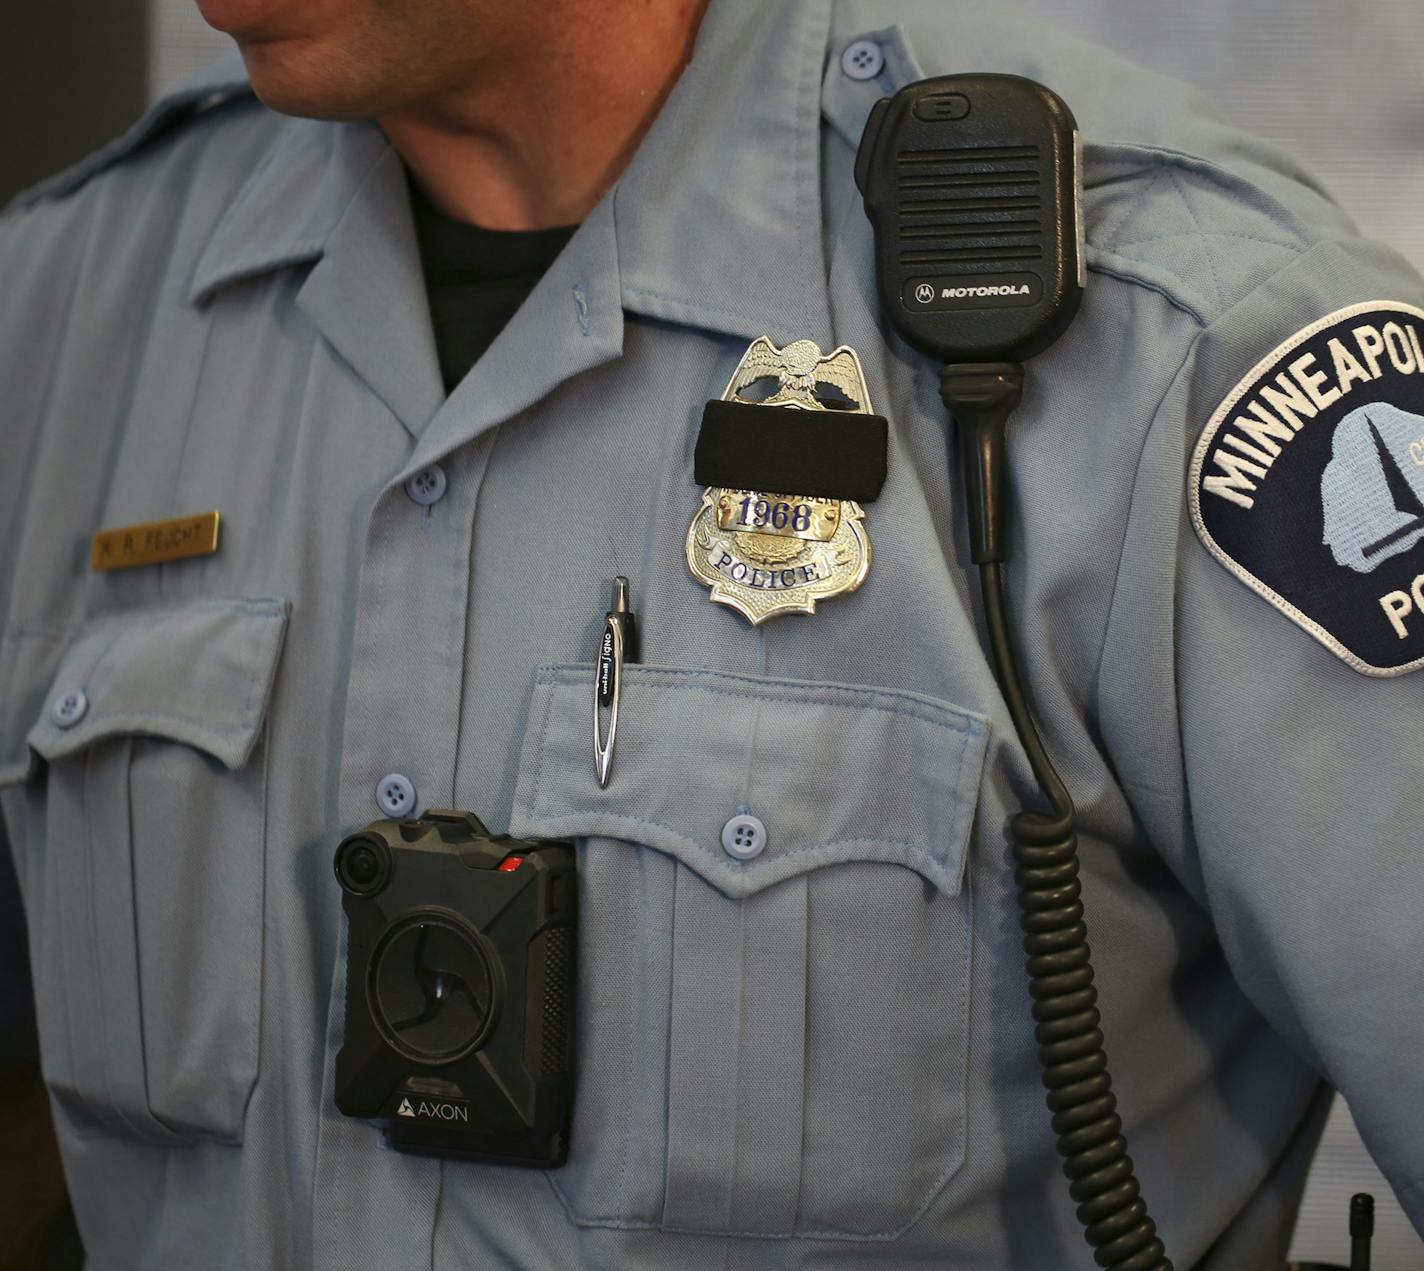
x: 558, y: 1000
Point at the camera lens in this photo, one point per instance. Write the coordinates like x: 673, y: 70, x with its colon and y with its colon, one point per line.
x: 363, y: 865
x: 432, y: 991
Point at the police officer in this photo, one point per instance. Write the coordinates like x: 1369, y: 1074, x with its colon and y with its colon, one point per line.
x: 807, y: 1043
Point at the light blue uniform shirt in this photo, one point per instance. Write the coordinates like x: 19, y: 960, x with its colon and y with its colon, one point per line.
x: 819, y: 1058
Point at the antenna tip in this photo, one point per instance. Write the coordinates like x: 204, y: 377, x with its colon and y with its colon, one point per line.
x: 1362, y: 1216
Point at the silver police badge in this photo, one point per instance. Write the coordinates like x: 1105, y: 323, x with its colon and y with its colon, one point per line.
x: 766, y: 553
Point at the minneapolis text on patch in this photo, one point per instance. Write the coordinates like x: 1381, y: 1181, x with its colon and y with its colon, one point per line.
x: 1271, y: 417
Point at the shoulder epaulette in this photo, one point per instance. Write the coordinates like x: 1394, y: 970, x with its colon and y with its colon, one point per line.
x: 216, y: 86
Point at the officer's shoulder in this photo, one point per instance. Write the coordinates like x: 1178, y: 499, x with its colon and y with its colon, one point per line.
x: 205, y: 130
x: 1176, y: 198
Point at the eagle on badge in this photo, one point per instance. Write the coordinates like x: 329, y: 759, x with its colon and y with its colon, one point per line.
x: 803, y: 375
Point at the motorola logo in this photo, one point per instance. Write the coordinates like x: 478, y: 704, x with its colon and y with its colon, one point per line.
x: 971, y: 291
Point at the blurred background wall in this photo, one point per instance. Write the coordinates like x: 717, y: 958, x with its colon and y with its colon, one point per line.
x: 71, y: 73
x: 1336, y: 82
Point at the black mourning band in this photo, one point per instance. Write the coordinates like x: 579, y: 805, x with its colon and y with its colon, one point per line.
x: 781, y: 450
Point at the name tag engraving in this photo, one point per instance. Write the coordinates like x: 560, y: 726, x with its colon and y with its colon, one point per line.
x: 154, y: 542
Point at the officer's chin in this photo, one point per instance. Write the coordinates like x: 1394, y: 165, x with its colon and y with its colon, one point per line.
x: 306, y: 82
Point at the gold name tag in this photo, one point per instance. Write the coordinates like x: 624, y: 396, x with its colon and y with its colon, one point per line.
x: 154, y: 542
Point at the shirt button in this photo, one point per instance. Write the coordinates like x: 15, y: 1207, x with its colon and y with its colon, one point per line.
x: 427, y: 486
x: 68, y: 708
x: 743, y: 837
x: 862, y: 59
x: 395, y: 794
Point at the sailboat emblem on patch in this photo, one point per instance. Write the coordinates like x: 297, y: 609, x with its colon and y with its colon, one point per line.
x: 1373, y: 503
x: 1308, y: 484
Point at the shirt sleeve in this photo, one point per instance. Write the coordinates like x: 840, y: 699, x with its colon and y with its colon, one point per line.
x: 1257, y: 699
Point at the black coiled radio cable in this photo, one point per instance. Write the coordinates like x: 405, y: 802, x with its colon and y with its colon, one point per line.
x: 1045, y: 848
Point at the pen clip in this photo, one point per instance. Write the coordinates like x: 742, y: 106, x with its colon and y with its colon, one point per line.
x: 608, y: 680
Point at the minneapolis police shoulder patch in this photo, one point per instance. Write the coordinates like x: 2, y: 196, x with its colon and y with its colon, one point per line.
x: 1308, y: 483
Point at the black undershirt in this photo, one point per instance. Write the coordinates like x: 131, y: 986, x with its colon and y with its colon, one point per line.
x: 475, y: 279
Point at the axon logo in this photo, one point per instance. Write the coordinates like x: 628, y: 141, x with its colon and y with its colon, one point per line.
x: 430, y: 1111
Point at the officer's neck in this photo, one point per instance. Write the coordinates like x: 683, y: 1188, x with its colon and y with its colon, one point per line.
x: 540, y: 142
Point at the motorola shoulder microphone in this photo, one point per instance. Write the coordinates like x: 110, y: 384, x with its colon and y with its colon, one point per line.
x: 973, y: 185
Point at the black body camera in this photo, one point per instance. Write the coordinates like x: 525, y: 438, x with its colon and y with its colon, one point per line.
x: 459, y: 989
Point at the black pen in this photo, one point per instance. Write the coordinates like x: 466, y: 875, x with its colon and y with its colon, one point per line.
x: 617, y: 645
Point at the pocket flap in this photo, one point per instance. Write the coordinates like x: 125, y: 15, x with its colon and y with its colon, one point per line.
x: 199, y: 673
x: 835, y: 772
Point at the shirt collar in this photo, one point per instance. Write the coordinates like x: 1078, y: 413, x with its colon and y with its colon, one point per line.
x: 287, y: 209
x: 719, y: 214
x: 717, y: 218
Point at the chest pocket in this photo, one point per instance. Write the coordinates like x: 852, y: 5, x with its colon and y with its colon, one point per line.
x: 141, y: 857
x: 773, y: 1046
